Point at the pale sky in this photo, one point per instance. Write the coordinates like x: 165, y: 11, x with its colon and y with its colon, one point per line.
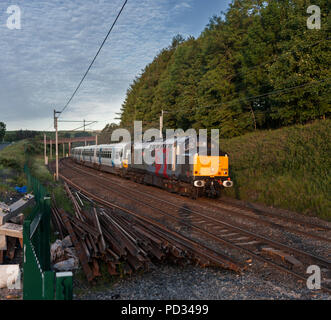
x: 42, y: 63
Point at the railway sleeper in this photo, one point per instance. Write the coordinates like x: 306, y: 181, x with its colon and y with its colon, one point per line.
x: 283, y: 256
x: 227, y: 235
x: 249, y: 243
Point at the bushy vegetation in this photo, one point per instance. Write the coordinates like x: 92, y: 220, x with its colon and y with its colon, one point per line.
x: 13, y: 156
x: 255, y: 67
x: 55, y: 189
x: 18, y: 135
x: 18, y: 153
x: 287, y: 168
x: 40, y: 171
x: 106, y: 133
x: 11, y: 168
x: 2, y: 131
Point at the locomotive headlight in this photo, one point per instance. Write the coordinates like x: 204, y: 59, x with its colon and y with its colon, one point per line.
x: 228, y: 184
x: 199, y: 183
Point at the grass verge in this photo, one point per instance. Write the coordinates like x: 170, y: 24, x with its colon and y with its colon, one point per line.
x: 287, y: 168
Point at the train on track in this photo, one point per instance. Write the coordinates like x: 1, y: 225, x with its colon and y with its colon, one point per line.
x: 206, y: 175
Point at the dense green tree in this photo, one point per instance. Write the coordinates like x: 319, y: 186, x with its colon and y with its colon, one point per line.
x: 2, y: 131
x: 105, y: 136
x: 25, y: 134
x: 255, y: 66
x: 82, y: 134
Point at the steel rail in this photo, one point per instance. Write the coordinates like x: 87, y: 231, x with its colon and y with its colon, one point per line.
x: 266, y: 222
x: 272, y: 215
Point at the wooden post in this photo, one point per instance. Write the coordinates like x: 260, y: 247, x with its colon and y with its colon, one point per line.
x: 69, y: 144
x: 51, y: 149
x: 63, y: 150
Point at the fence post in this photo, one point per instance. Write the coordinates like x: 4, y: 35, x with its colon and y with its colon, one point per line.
x: 63, y: 286
x: 45, y: 234
x: 26, y: 258
x: 48, y: 285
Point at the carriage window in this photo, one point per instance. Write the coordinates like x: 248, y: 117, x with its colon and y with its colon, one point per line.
x: 106, y: 154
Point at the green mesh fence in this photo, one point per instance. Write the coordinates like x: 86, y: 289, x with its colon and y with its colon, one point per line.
x: 40, y: 282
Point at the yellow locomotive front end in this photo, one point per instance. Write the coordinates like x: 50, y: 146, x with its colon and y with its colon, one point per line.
x: 211, y: 172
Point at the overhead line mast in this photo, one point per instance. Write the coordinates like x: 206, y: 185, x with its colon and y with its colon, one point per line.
x: 56, y: 143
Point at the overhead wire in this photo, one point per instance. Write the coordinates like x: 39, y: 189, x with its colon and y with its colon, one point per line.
x: 287, y: 89
x: 95, y: 57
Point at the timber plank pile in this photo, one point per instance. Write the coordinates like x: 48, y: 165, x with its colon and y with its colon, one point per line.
x: 125, y: 244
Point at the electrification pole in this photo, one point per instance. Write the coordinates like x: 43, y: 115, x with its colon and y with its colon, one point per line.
x: 161, y: 122
x: 56, y: 145
x: 45, y: 149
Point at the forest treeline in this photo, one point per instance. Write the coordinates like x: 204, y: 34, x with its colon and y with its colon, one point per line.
x: 257, y: 66
x: 18, y: 135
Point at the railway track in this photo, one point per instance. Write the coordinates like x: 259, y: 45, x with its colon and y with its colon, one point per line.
x: 293, y: 225
x: 212, y: 233
x: 255, y: 215
x: 263, y: 212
